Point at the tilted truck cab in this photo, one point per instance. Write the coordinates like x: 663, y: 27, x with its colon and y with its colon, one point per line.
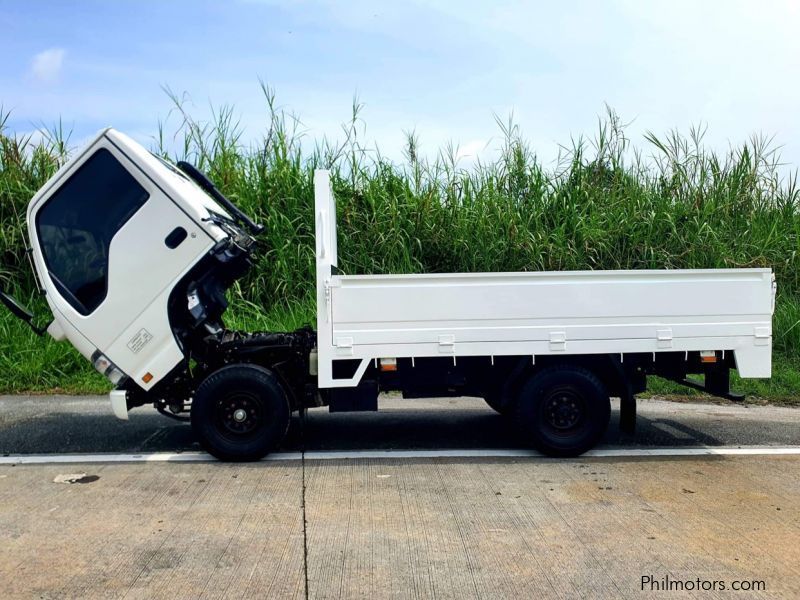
x: 111, y: 233
x: 135, y: 255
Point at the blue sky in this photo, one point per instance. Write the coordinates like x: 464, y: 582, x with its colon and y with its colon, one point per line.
x: 440, y: 68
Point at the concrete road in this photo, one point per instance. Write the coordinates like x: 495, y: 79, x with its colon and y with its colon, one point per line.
x: 43, y: 424
x: 441, y: 527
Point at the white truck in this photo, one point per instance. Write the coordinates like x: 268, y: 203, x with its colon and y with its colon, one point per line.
x: 135, y: 255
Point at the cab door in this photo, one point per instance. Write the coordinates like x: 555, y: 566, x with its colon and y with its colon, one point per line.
x: 114, y: 245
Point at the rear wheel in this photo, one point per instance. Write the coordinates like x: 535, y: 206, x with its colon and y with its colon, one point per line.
x: 563, y: 410
x: 240, y: 412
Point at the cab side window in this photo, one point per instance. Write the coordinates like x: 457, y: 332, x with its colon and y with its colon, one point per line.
x: 76, y: 225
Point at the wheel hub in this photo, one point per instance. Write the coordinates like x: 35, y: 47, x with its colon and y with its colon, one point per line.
x: 239, y: 414
x: 563, y: 410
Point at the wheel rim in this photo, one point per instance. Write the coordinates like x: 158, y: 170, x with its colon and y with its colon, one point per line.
x: 564, y: 410
x: 239, y: 415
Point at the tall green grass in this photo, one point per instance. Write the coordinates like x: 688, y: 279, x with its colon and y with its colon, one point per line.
x: 667, y: 202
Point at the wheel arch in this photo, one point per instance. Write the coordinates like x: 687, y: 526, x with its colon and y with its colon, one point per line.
x: 608, y: 368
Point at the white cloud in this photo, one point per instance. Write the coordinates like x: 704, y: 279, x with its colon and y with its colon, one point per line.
x: 46, y: 66
x: 471, y: 150
x: 443, y: 68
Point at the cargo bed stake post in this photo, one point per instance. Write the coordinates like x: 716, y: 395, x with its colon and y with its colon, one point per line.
x: 326, y: 263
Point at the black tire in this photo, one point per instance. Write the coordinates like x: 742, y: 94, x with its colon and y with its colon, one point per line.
x: 563, y: 410
x: 240, y: 412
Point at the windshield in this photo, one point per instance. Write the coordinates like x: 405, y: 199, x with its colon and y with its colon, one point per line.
x: 76, y: 224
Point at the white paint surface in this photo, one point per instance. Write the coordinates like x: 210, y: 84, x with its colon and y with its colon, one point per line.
x: 44, y: 459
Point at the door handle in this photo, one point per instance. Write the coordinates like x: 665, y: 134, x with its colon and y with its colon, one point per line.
x: 175, y: 238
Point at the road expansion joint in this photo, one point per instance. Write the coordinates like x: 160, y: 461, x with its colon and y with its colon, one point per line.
x: 303, y: 498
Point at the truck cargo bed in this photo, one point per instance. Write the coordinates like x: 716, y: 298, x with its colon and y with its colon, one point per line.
x: 543, y: 313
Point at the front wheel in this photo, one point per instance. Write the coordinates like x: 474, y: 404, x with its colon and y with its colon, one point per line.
x: 240, y: 412
x: 563, y: 410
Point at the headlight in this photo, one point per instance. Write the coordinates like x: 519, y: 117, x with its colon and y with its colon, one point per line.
x: 105, y: 367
